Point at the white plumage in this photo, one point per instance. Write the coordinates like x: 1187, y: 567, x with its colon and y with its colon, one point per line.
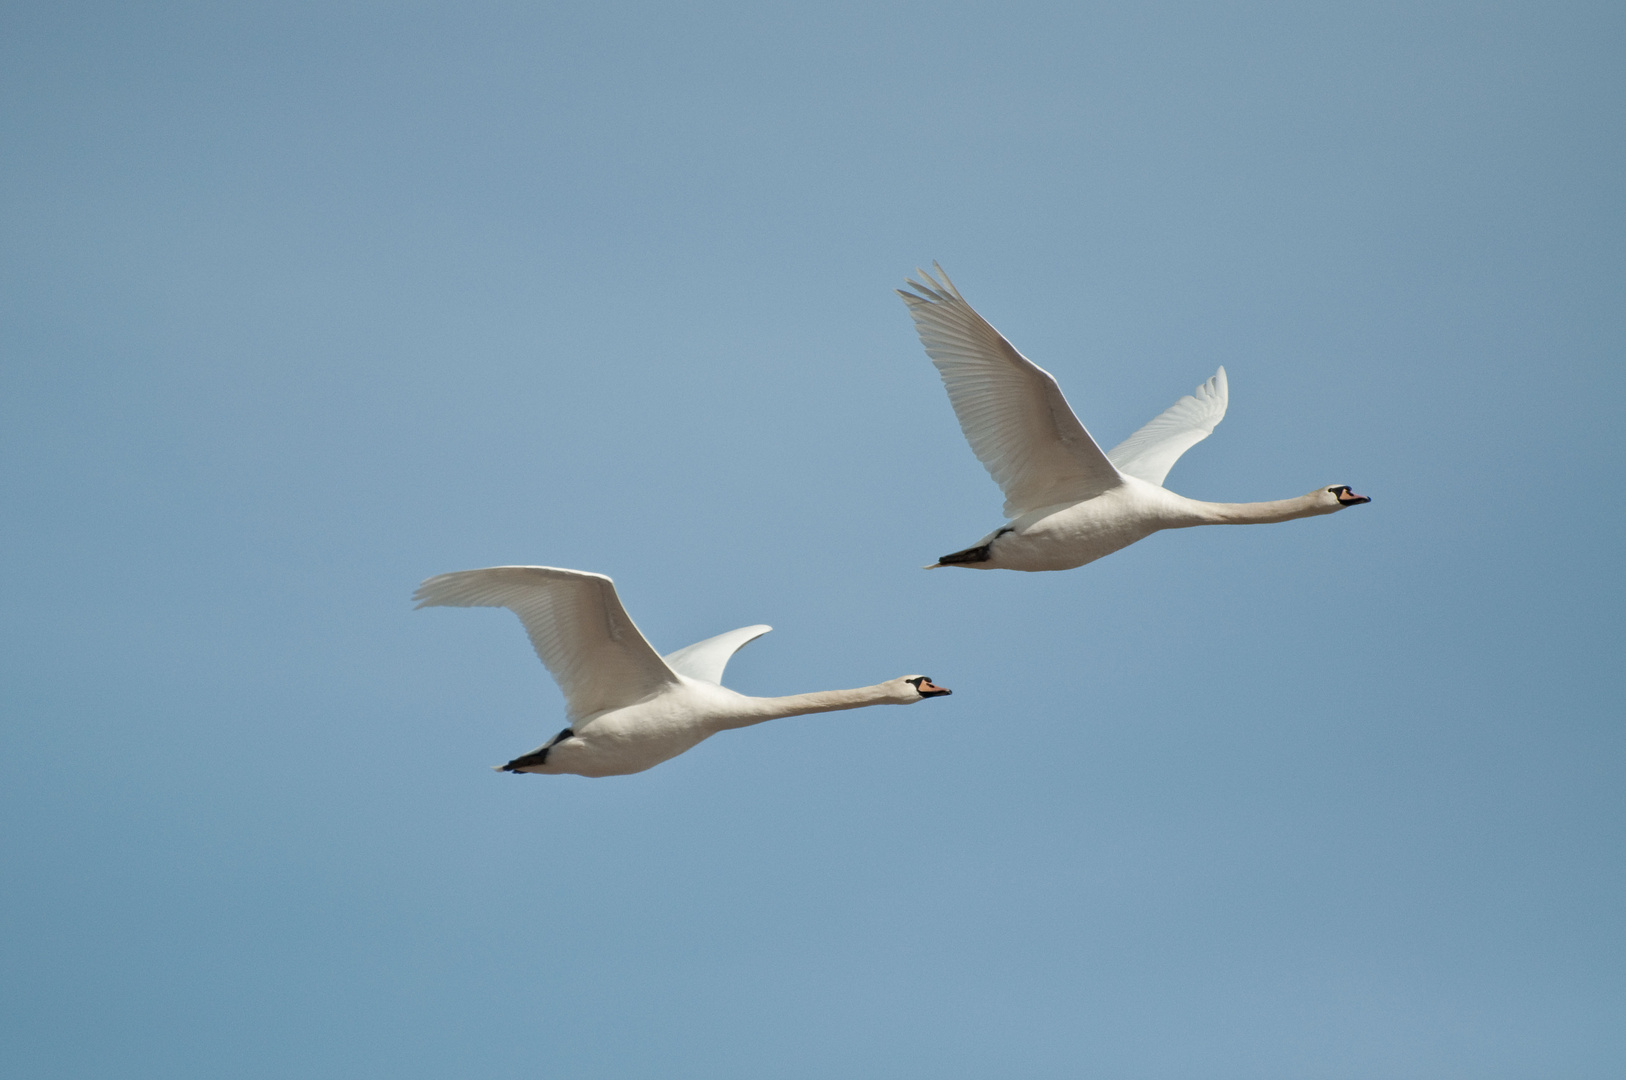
x: 577, y: 625
x: 1067, y: 502
x: 629, y: 708
x: 705, y: 660
x: 1152, y: 451
x: 1010, y: 409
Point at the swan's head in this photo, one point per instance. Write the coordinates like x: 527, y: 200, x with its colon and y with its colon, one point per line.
x: 913, y: 688
x: 1339, y: 496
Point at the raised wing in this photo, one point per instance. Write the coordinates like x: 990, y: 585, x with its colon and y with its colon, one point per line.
x: 705, y: 660
x: 1152, y: 451
x: 577, y: 625
x: 1011, y: 410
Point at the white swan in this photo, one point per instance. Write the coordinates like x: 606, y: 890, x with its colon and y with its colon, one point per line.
x: 629, y: 708
x: 1068, y: 503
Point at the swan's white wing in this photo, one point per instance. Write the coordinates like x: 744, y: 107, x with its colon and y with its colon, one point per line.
x: 577, y: 625
x: 1011, y: 410
x: 1152, y: 451
x: 705, y: 660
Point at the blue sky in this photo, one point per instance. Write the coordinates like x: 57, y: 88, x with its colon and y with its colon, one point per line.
x: 304, y: 303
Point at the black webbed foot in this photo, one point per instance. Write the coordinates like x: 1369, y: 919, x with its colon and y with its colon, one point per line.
x: 538, y: 757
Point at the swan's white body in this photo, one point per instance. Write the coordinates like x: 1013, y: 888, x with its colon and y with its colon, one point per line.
x: 1067, y: 502
x: 630, y: 708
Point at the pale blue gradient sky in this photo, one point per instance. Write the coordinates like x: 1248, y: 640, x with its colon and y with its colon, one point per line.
x: 303, y: 303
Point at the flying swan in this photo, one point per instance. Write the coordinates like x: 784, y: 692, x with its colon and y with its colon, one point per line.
x: 1067, y: 502
x: 629, y: 707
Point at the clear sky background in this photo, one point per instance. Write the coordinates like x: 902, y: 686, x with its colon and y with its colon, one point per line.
x: 304, y: 303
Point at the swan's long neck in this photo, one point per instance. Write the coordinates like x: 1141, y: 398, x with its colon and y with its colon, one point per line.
x: 1259, y: 513
x: 759, y: 709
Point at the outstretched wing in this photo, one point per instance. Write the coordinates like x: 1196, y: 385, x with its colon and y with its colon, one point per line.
x: 1152, y: 451
x: 705, y: 660
x: 1011, y: 410
x: 577, y: 625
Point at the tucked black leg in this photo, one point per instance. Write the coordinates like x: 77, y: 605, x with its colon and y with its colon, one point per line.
x: 980, y: 553
x: 538, y: 757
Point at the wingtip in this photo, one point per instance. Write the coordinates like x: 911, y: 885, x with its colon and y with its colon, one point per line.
x: 932, y: 285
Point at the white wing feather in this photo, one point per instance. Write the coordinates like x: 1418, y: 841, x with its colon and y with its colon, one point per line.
x: 1011, y: 410
x: 705, y: 660
x: 1151, y: 452
x: 576, y: 624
